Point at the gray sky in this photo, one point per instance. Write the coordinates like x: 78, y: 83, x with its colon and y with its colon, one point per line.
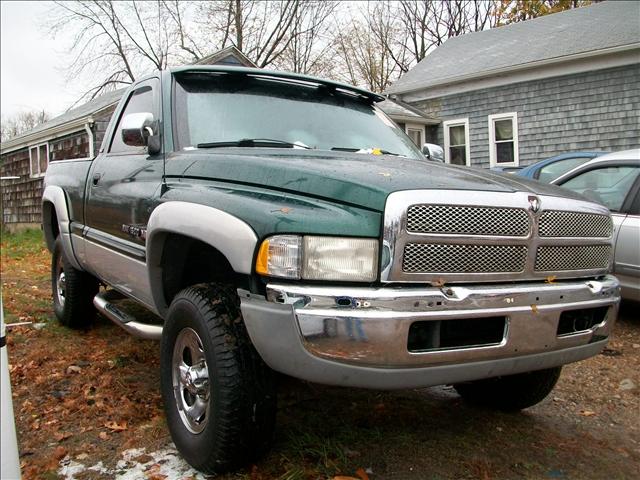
x: 30, y: 62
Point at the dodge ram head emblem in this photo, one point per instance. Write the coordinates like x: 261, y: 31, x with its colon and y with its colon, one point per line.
x: 534, y: 203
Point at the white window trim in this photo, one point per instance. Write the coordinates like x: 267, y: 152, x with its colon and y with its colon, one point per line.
x: 416, y: 126
x: 446, y: 125
x: 37, y: 174
x: 513, y: 116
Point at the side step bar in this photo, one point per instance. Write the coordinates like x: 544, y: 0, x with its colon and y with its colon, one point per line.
x: 103, y: 303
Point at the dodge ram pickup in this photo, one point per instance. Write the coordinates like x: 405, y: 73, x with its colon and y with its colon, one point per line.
x: 276, y: 222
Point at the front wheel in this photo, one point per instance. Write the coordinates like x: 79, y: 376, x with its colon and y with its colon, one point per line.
x: 512, y: 392
x: 218, y: 394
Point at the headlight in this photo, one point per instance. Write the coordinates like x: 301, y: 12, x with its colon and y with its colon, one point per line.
x: 319, y: 258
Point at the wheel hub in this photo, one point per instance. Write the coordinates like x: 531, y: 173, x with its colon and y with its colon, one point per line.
x: 61, y: 285
x: 191, y: 380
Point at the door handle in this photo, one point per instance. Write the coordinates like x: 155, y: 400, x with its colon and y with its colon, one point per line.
x: 96, y: 178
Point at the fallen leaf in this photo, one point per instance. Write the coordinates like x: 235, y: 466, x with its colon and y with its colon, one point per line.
x: 587, y: 413
x: 550, y: 279
x: 59, y: 453
x: 534, y: 308
x: 285, y: 209
x: 73, y: 369
x: 116, y: 426
x: 60, y: 436
x: 343, y: 477
x: 362, y: 474
x: 438, y: 283
x: 103, y: 435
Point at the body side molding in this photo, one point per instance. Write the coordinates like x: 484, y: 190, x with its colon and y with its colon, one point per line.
x: 231, y: 236
x: 55, y: 196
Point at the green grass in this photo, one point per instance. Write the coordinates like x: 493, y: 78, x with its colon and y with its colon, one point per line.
x: 20, y: 245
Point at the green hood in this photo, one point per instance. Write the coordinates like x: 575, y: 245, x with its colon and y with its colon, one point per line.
x: 348, y: 178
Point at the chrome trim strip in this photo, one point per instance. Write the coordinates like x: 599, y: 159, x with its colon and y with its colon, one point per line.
x: 371, y: 325
x: 102, y: 302
x: 396, y: 236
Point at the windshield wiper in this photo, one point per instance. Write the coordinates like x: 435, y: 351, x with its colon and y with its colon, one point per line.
x: 254, y: 142
x: 352, y: 149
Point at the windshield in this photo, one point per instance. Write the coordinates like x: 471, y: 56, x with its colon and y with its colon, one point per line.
x: 243, y: 111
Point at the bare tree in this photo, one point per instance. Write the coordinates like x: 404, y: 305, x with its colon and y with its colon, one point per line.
x: 409, y: 29
x: 267, y: 31
x: 311, y: 34
x: 114, y: 42
x: 21, y: 122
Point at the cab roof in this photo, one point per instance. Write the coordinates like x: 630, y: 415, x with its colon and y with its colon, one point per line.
x: 287, y: 76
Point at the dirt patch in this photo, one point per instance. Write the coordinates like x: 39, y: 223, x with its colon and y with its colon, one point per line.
x: 84, y: 399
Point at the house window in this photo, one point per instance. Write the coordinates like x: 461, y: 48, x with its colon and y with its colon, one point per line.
x: 456, y: 142
x: 39, y: 159
x: 415, y: 135
x: 503, y: 139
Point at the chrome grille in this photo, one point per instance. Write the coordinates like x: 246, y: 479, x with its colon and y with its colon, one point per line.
x: 550, y: 258
x: 437, y: 258
x: 557, y: 223
x: 464, y: 220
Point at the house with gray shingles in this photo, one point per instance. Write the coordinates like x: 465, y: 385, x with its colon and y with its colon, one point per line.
x: 516, y: 94
x: 78, y: 133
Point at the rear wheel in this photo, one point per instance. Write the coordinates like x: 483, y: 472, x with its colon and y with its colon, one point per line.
x: 219, y: 396
x: 73, y: 291
x: 512, y: 392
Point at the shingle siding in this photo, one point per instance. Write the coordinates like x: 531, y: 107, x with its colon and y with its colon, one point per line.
x: 597, y: 110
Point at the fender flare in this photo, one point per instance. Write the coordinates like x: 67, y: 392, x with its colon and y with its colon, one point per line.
x: 56, y: 196
x: 232, y: 237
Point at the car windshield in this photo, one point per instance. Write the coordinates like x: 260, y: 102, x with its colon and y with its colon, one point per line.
x: 218, y: 111
x: 607, y: 185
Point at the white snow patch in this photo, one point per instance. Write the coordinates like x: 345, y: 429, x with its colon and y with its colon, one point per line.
x: 166, y: 461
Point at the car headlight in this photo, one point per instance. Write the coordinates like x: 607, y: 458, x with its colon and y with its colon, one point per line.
x: 319, y: 258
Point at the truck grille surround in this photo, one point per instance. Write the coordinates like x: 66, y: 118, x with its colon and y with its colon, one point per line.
x: 469, y: 236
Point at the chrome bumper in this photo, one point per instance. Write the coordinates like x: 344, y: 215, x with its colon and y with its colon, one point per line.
x: 359, y: 336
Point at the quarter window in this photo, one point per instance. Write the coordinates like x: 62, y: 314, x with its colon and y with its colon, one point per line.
x: 503, y: 139
x: 456, y: 142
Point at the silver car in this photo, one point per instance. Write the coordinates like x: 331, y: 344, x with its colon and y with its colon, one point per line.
x: 614, y: 181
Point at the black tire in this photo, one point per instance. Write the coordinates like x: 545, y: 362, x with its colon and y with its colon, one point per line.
x: 238, y: 422
x: 73, y: 291
x: 511, y: 393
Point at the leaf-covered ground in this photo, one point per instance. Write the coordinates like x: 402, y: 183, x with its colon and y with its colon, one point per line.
x: 81, y: 398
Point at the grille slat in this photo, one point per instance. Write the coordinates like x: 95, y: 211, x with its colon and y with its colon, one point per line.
x: 552, y: 258
x: 438, y: 258
x: 557, y: 223
x: 465, y: 220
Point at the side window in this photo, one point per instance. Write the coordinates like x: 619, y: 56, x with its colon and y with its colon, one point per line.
x: 140, y: 101
x: 609, y: 185
x: 456, y: 141
x: 554, y: 170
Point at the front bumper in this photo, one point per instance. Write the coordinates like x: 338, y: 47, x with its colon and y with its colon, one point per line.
x: 359, y: 336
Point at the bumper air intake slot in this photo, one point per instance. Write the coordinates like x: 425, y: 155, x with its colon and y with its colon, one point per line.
x: 451, y: 334
x: 582, y: 320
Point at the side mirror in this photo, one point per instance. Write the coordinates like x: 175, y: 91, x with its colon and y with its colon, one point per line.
x: 137, y: 131
x: 433, y: 152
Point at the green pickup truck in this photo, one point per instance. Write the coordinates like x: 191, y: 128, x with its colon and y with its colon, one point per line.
x: 276, y: 222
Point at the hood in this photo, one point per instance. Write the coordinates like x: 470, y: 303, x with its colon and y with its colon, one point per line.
x: 349, y: 178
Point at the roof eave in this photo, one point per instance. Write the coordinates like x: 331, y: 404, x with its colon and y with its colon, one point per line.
x: 515, y: 68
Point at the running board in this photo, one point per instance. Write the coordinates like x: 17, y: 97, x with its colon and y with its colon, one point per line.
x: 103, y: 303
